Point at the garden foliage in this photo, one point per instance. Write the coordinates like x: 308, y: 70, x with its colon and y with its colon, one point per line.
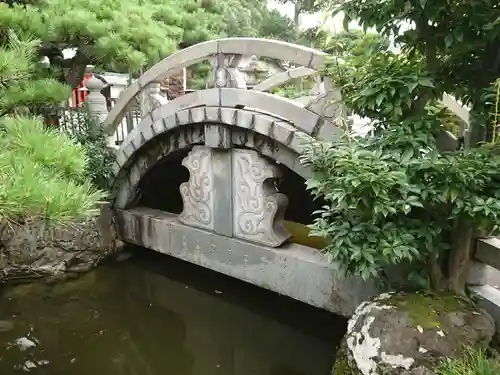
x: 397, y: 197
x: 42, y: 171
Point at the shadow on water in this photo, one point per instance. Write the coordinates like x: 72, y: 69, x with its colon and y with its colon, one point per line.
x: 156, y: 315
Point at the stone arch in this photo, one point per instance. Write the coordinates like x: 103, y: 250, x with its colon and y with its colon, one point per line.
x: 140, y: 153
x: 303, y: 119
x: 295, y: 54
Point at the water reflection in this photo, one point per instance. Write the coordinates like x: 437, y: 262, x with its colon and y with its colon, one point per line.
x: 154, y: 315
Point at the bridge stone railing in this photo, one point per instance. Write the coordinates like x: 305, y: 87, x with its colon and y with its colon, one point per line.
x: 225, y: 56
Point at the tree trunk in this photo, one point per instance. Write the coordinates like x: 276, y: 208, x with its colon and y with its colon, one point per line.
x: 74, y: 69
x: 459, y: 259
x: 296, y: 14
x: 75, y: 74
x: 435, y: 273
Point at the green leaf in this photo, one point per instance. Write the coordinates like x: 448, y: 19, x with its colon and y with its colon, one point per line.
x: 427, y: 82
x: 453, y: 195
x: 312, y: 184
x: 448, y: 40
x: 407, y: 155
x: 380, y: 98
x: 411, y: 86
x: 369, y: 91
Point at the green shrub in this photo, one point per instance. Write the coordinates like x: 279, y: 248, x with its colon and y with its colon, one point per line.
x: 100, y: 157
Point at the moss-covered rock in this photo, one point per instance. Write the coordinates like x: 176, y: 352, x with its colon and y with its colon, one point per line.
x: 409, y: 334
x: 341, y: 365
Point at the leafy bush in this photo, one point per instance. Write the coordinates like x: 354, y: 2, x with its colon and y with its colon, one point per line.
x: 392, y: 200
x: 395, y: 197
x: 94, y: 141
x: 475, y: 362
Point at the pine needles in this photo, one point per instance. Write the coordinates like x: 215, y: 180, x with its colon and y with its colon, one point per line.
x: 42, y: 172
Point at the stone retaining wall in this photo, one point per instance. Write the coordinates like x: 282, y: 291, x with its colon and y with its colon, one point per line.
x: 39, y: 249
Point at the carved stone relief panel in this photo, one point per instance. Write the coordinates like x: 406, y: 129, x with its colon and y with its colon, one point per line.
x: 198, y: 192
x: 232, y: 192
x: 258, y: 208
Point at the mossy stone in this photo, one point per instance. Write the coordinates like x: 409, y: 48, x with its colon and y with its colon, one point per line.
x: 426, y: 308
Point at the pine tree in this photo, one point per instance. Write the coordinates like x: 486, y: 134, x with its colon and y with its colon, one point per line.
x: 131, y: 35
x: 42, y: 172
x: 253, y: 18
x: 120, y: 35
x: 22, y: 85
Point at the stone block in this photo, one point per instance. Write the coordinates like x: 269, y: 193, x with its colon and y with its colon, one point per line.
x: 217, y: 136
x: 146, y: 128
x: 198, y: 114
x: 282, y: 132
x: 245, y: 119
x: 158, y: 127
x: 489, y: 300
x: 212, y: 114
x: 488, y: 251
x: 271, y: 104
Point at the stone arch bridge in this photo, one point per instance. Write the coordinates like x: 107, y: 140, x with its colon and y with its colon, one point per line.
x: 210, y: 176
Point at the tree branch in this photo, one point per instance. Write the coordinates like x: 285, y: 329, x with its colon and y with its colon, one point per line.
x: 76, y: 68
x: 432, y: 63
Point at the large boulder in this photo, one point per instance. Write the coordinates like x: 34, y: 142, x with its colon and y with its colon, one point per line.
x: 410, y: 334
x: 40, y: 249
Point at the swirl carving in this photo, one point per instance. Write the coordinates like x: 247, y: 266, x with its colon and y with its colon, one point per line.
x: 198, y: 192
x: 258, y: 208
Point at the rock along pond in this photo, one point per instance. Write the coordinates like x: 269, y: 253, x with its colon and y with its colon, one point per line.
x: 154, y: 315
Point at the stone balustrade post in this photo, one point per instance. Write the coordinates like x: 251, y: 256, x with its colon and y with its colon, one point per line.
x: 225, y: 72
x: 96, y: 101
x: 151, y: 98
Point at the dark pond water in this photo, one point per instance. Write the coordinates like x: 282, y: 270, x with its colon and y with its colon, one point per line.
x: 154, y: 315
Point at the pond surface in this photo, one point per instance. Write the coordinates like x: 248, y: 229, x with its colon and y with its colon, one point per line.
x: 154, y: 315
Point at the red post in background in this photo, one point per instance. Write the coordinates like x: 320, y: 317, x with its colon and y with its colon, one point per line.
x: 79, y: 95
